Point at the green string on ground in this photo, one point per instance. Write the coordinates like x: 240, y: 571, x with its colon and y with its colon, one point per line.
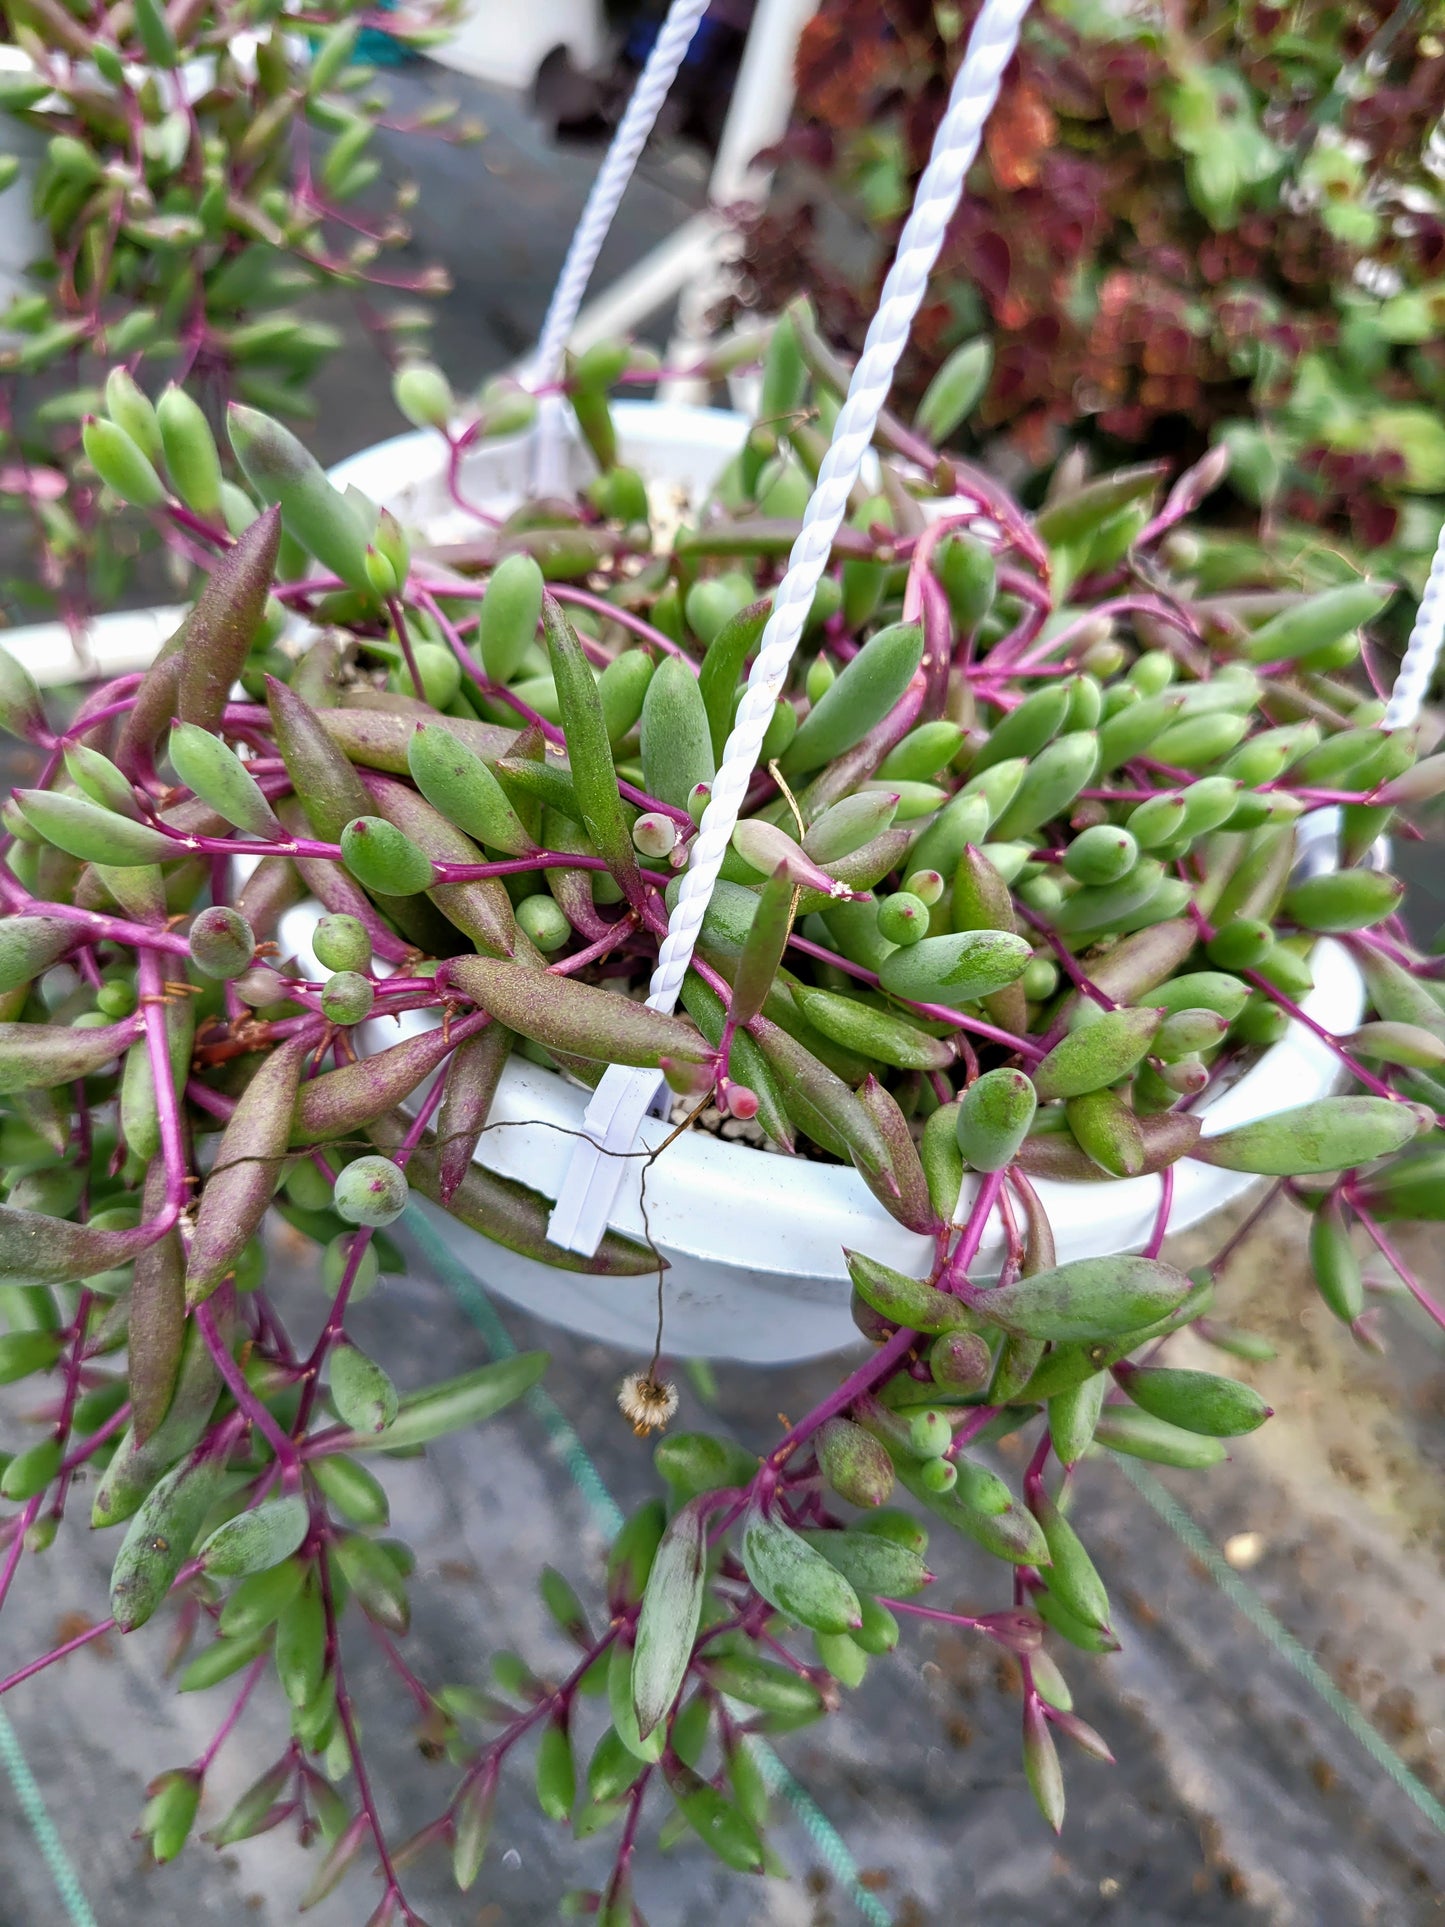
x: 32, y: 1805
x: 831, y: 1847
x: 1248, y: 1602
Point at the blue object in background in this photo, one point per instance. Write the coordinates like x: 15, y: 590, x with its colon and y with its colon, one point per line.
x: 379, y: 49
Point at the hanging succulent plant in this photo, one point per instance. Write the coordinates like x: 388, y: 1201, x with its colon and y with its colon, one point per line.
x: 1015, y: 893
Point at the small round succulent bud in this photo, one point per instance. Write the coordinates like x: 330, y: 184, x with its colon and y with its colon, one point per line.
x: 820, y: 678
x: 741, y: 1101
x: 960, y: 1361
x: 903, y: 918
x: 1188, y: 1076
x: 542, y: 919
x: 938, y: 1475
x: 346, y: 998
x: 341, y: 943
x: 440, y: 672
x: 854, y: 1463
x: 261, y: 987
x: 381, y: 574
x: 335, y: 1259
x: 1153, y: 672
x: 116, y: 999
x: 698, y: 798
x: 222, y: 943
x: 780, y: 732
x: 1042, y: 894
x: 654, y: 834
x: 371, y: 1191
x: 1103, y: 854
x: 929, y: 1433
x: 1040, y: 980
x: 1241, y: 944
x: 423, y: 394
x: 926, y: 885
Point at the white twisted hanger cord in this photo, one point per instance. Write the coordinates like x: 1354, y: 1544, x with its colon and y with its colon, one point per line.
x: 657, y: 76
x: 975, y: 89
x: 624, y: 1096
x: 1422, y: 652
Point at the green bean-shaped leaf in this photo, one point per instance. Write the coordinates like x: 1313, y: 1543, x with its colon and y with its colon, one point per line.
x: 257, y: 1540
x: 565, y: 1015
x: 455, y: 780
x: 383, y: 858
x: 224, y: 623
x: 722, y: 668
x: 81, y: 828
x: 873, y: 1033
x: 160, y: 1536
x: 1096, y: 1054
x: 763, y: 947
x: 282, y: 471
x: 36, y: 1057
x: 955, y: 969
x: 1202, y: 1402
x: 861, y: 696
x: 363, y: 1394
x: 1072, y: 1577
x: 910, y: 1302
x: 671, y: 1613
x: 29, y: 945
x: 796, y: 1579
x: 456, y: 1402
x: 1331, y: 1134
x: 994, y: 1117
x: 593, y: 775
x: 677, y: 751
x: 1090, y: 1298
x: 218, y: 776
x: 247, y: 1169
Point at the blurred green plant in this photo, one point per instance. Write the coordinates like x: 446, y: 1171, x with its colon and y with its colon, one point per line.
x: 1203, y: 223
x: 199, y: 173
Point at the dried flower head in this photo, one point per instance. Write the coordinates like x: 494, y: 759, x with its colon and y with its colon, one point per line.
x: 645, y: 1402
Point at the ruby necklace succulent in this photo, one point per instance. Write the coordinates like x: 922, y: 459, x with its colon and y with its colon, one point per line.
x: 1015, y: 893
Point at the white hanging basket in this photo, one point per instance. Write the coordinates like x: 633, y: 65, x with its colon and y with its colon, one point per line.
x: 754, y: 1240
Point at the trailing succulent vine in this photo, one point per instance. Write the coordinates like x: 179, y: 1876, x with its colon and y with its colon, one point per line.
x: 1015, y: 893
x: 200, y: 171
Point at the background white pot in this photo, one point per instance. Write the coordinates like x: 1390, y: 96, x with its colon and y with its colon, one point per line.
x: 506, y: 41
x: 754, y: 1241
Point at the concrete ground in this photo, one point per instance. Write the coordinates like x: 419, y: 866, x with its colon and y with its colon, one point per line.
x: 1239, y: 1797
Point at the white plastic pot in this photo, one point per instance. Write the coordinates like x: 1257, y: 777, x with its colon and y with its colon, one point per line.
x: 753, y: 1240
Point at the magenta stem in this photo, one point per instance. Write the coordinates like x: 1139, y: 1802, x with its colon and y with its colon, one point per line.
x: 895, y: 1349
x: 254, y: 1410
x: 940, y: 1013
x: 173, y: 1149
x: 1161, y: 1222
x: 584, y: 599
x: 1397, y: 1264
x: 238, y: 1706
x: 1292, y: 1009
